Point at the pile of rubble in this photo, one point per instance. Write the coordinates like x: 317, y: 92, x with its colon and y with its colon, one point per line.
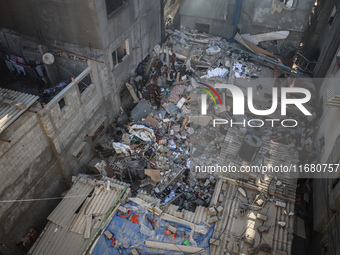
x: 156, y: 145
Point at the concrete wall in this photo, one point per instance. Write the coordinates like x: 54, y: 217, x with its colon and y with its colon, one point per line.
x: 66, y: 64
x: 70, y: 21
x: 326, y: 196
x: 59, y: 132
x: 328, y: 38
x: 40, y: 155
x: 256, y: 17
x: 139, y: 23
x: 40, y: 159
x: 28, y: 170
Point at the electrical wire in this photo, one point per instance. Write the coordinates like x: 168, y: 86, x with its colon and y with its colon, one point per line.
x: 39, y: 199
x: 71, y: 74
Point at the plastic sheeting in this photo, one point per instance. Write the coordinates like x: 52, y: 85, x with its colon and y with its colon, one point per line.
x: 143, y: 133
x: 217, y: 72
x: 134, y: 235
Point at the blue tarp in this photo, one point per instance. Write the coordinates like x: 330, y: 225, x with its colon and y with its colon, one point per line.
x: 134, y: 235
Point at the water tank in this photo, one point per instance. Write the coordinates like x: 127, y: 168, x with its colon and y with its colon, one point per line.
x: 250, y: 146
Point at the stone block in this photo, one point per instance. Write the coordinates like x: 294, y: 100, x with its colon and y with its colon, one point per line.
x: 219, y: 209
x: 212, y: 211
x: 172, y: 229
x: 224, y: 187
x: 122, y: 209
x: 262, y: 217
x: 108, y: 235
x: 280, y: 204
x: 157, y: 211
x: 213, y: 219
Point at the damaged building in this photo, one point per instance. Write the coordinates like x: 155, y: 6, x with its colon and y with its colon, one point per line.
x: 169, y: 127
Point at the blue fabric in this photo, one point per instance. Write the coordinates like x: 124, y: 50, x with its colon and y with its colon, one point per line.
x: 130, y: 234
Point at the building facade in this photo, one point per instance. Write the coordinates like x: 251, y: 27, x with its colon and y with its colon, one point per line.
x: 94, y: 43
x: 225, y: 18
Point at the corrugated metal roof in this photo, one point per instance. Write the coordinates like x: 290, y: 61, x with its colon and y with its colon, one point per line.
x: 197, y: 217
x: 69, y: 205
x: 59, y: 240
x: 12, y: 105
x: 98, y: 206
x: 65, y: 232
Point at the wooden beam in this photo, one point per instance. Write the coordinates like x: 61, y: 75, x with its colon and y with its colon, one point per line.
x: 132, y: 92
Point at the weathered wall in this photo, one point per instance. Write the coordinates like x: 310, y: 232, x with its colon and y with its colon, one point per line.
x: 139, y: 23
x: 42, y: 147
x: 41, y: 152
x: 70, y: 21
x: 255, y: 17
x: 328, y: 38
x: 326, y: 196
x: 65, y: 65
x: 28, y: 170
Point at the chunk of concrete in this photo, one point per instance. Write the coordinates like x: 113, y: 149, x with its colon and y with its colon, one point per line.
x: 280, y: 204
x: 264, y: 228
x: 219, y: 209
x: 253, y: 250
x: 141, y: 110
x: 236, y: 248
x: 262, y: 217
x: 134, y: 252
x: 242, y: 192
x: 108, y: 235
x: 224, y: 187
x: 259, y: 202
x: 212, y: 211
x: 272, y: 190
x: 172, y: 229
x: 213, y: 219
x: 122, y: 209
x: 214, y: 241
x: 281, y: 223
x: 157, y: 211
x: 220, y: 198
x: 266, y: 248
x: 249, y: 240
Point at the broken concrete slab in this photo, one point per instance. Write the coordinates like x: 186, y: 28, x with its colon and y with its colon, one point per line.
x: 264, y: 228
x: 262, y: 217
x: 141, y: 110
x: 214, y: 241
x: 154, y: 174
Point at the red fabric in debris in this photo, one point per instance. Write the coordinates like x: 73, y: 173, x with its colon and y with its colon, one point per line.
x: 125, y: 216
x: 134, y: 219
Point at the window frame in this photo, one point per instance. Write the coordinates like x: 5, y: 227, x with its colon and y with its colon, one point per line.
x: 112, y: 12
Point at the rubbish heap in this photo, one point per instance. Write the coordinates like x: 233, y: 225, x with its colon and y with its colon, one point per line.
x: 156, y: 145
